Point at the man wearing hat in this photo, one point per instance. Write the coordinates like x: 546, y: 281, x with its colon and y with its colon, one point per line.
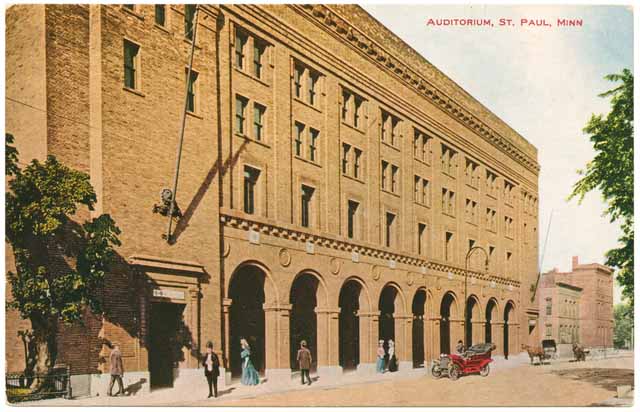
x: 304, y: 360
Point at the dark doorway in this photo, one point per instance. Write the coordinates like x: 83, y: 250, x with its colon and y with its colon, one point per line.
x: 417, y: 333
x: 246, y: 317
x: 303, y: 317
x: 165, y: 348
x: 491, y: 307
x: 445, y: 323
x: 349, y: 326
x: 468, y: 321
x: 386, y: 325
x: 507, y: 313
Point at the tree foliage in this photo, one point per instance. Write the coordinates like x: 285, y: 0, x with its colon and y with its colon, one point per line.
x: 60, y: 263
x: 611, y: 172
x: 622, y: 325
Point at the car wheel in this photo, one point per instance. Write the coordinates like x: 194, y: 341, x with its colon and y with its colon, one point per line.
x: 485, y: 370
x: 436, y: 372
x: 454, y: 373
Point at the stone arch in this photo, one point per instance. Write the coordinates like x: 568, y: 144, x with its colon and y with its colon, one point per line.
x: 492, y: 316
x: 509, y: 331
x: 449, y: 315
x: 418, y: 323
x: 353, y: 301
x: 270, y: 289
x: 392, y: 306
x: 473, y: 314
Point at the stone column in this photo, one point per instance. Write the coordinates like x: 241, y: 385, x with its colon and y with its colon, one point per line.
x: 226, y: 356
x: 477, y: 334
x: 404, y: 344
x: 456, y: 332
x: 276, y: 336
x: 368, y: 341
x: 327, y: 338
x: 497, y: 329
x: 428, y: 341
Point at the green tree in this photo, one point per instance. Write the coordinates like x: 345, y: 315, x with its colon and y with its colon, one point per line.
x: 611, y: 172
x: 622, y: 325
x: 60, y: 263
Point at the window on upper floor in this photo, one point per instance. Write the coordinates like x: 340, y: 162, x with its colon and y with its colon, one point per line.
x: 471, y: 173
x: 352, y: 221
x: 491, y: 220
x: 241, y: 115
x: 389, y: 128
x: 352, y: 107
x: 131, y: 65
x: 448, y: 246
x: 492, y: 184
x: 357, y: 163
x: 448, y: 202
x: 346, y: 154
x: 422, y: 238
x: 314, y: 136
x: 297, y: 141
x: 549, y: 307
x: 251, y: 176
x: 390, y: 229
x: 394, y: 178
x: 306, y: 199
x: 306, y: 84
x: 508, y: 192
x: 508, y: 227
x: 449, y: 161
x: 192, y: 88
x: 471, y: 211
x: 189, y: 16
x: 384, y: 175
x: 160, y: 15
x: 421, y: 146
x: 258, y: 121
x: 259, y: 48
x: 491, y: 257
x: 509, y: 264
x: 422, y: 191
x: 239, y: 48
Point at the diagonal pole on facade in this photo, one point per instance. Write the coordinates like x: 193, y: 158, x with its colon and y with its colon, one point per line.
x: 194, y: 27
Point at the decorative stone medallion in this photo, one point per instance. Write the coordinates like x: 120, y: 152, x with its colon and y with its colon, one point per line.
x: 375, y: 272
x: 438, y: 284
x: 410, y: 278
x: 335, y: 265
x: 226, y: 249
x: 284, y: 257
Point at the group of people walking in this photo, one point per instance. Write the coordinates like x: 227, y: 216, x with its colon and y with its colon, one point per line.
x: 211, y: 365
x: 386, y: 359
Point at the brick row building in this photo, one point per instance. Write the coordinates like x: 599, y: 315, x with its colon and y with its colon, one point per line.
x: 332, y: 183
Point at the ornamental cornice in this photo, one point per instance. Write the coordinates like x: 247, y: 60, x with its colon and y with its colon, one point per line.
x: 240, y: 221
x: 332, y: 21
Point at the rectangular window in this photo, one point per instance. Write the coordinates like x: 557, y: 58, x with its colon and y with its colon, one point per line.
x: 306, y: 197
x: 509, y: 262
x: 191, y: 92
x: 416, y: 188
x: 356, y: 162
x: 448, y: 246
x: 129, y: 6
x: 241, y: 106
x: 345, y: 158
x: 258, y: 121
x: 394, y: 178
x: 385, y: 167
x: 389, y: 232
x: 357, y: 111
x: 472, y: 243
x: 297, y: 81
x: 189, y: 15
x: 241, y: 41
x: 160, y: 14
x: 471, y: 173
x: 258, y: 53
x: 426, y: 143
x: 251, y: 176
x: 491, y: 250
x: 417, y: 142
x: 346, y: 103
x: 549, y: 307
x: 385, y: 127
x: 492, y: 179
x: 425, y: 193
x: 351, y: 218
x: 131, y: 64
x: 313, y: 144
x: 298, y: 139
x: 422, y: 228
x: 312, y: 81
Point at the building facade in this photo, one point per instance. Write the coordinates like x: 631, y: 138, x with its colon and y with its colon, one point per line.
x: 595, y: 307
x: 560, y: 310
x: 332, y: 184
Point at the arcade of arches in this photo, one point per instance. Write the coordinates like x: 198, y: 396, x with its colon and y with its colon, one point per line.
x: 422, y: 322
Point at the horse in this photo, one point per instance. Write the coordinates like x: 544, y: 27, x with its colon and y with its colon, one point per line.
x: 535, y: 351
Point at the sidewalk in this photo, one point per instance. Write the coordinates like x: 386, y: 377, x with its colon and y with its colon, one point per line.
x: 196, y: 390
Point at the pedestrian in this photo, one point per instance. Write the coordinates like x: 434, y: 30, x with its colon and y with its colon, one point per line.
x: 460, y: 347
x: 393, y: 361
x: 304, y: 361
x: 380, y: 360
x: 116, y: 370
x: 211, y: 365
x: 249, y: 374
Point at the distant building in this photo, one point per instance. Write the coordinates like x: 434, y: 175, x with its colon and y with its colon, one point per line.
x: 577, y: 306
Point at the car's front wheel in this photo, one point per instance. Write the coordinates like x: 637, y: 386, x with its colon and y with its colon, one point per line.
x: 454, y: 373
x: 484, y: 371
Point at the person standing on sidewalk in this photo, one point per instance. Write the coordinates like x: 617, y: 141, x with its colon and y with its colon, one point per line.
x: 211, y: 365
x: 249, y: 374
x: 380, y: 358
x: 393, y: 361
x: 116, y: 370
x: 304, y: 361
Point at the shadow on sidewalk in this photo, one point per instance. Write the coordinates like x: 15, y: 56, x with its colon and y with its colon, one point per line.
x: 608, y: 379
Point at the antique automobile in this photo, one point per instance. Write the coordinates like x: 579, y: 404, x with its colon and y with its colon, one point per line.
x: 550, y: 349
x: 476, y: 359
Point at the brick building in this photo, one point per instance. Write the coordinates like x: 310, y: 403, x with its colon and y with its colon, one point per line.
x: 577, y: 306
x: 332, y: 183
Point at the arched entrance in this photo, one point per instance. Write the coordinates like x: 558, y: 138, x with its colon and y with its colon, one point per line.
x: 386, y: 305
x: 508, y: 314
x: 246, y: 317
x: 303, y: 319
x: 491, y: 313
x: 349, y: 325
x: 446, y: 306
x: 417, y: 334
x: 472, y: 313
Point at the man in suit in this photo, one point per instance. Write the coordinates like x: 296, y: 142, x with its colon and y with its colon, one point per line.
x: 117, y: 370
x: 211, y: 366
x: 304, y: 360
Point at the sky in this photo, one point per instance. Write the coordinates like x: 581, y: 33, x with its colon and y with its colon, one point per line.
x: 542, y: 81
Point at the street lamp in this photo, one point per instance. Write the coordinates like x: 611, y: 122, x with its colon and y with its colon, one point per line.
x: 466, y: 272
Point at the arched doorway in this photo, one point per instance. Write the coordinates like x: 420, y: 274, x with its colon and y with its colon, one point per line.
x: 446, y: 306
x: 491, y: 313
x: 349, y: 325
x: 386, y: 305
x: 508, y: 314
x: 303, y: 321
x: 472, y: 313
x: 246, y: 317
x: 417, y: 334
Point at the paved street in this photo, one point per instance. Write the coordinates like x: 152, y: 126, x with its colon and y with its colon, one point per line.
x: 512, y: 383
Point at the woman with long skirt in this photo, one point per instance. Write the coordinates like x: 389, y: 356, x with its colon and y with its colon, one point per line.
x: 393, y: 361
x: 249, y: 374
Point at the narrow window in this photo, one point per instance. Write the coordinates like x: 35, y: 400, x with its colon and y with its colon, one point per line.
x: 189, y: 14
x: 357, y: 112
x: 131, y: 56
x: 298, y: 139
x: 346, y: 101
x: 421, y: 233
x: 425, y: 148
x: 251, y: 176
x: 448, y: 247
x: 160, y: 14
x: 491, y: 250
x: 445, y: 200
x: 452, y: 203
x: 472, y: 243
x: 385, y: 127
x: 351, y: 218
x: 297, y: 81
x: 241, y: 105
x: 312, y: 80
x: 258, y: 121
x: 356, y: 162
x: 129, y: 6
x: 345, y: 157
x: 389, y: 233
x: 306, y: 197
x: 385, y: 166
x: 258, y: 53
x: 394, y: 129
x: 313, y: 144
x: 394, y: 178
x: 425, y: 192
x: 416, y: 188
x: 416, y: 142
x: 191, y: 92
x: 241, y: 41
